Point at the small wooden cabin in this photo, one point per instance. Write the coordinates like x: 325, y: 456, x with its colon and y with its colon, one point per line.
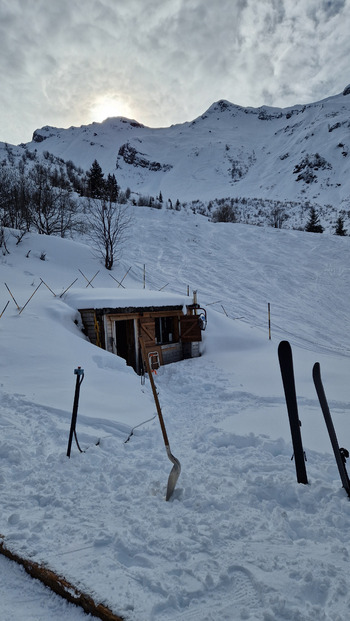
x: 170, y: 325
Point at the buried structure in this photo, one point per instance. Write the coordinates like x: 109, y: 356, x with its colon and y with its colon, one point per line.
x: 170, y: 325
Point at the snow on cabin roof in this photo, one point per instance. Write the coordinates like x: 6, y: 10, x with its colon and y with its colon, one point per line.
x: 123, y: 298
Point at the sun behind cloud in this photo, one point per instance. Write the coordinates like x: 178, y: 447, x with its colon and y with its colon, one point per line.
x: 107, y: 106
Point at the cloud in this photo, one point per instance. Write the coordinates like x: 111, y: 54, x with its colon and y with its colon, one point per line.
x: 167, y: 59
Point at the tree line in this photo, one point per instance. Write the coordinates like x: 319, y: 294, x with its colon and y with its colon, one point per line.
x: 51, y: 197
x: 39, y: 195
x: 226, y: 212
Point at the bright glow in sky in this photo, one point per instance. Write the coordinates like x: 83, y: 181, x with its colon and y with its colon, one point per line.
x: 164, y: 61
x: 106, y: 106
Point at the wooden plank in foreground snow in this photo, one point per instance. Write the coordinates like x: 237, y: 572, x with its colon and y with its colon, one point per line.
x: 60, y: 586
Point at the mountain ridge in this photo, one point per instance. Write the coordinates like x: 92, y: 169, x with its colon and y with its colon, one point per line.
x: 268, y: 164
x: 298, y: 153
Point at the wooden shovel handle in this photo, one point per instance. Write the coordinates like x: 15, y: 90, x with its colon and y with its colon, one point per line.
x: 154, y: 390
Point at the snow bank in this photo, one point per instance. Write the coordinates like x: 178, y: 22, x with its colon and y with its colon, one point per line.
x: 240, y: 538
x: 122, y: 298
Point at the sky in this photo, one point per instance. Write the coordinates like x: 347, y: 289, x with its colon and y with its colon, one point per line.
x: 161, y: 62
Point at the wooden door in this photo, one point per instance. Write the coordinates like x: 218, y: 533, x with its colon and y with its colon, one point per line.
x: 190, y: 329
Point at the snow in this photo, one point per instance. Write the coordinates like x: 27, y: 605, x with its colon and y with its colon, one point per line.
x: 240, y: 538
x: 229, y: 151
x: 119, y: 298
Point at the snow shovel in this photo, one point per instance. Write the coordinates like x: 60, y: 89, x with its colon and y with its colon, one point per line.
x: 176, y: 469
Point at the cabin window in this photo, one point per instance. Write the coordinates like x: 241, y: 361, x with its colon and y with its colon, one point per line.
x: 164, y: 330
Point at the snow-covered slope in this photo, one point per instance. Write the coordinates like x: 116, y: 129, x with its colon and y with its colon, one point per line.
x: 300, y: 153
x: 240, y: 539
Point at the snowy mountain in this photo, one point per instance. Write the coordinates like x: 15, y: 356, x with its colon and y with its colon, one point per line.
x: 240, y: 539
x: 301, y: 153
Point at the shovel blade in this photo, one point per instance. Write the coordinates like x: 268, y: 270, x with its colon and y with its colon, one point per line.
x: 173, y: 476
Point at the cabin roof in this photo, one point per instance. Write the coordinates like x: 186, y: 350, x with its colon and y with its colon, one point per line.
x: 103, y: 298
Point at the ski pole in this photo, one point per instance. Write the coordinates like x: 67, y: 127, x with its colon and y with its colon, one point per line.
x: 79, y: 372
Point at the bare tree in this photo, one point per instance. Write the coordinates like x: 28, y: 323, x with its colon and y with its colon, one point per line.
x: 108, y: 227
x: 53, y: 212
x: 278, y: 216
x: 52, y: 209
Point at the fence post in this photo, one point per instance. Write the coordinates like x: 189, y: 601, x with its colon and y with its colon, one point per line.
x: 269, y: 319
x: 5, y: 308
x: 34, y: 292
x: 71, y: 285
x: 18, y: 308
x: 53, y: 293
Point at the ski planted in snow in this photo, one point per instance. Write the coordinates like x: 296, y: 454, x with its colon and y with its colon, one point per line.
x: 340, y: 454
x: 287, y: 371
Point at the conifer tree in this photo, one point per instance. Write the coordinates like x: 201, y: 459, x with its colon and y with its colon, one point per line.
x: 339, y: 227
x: 111, y: 189
x: 313, y: 225
x: 96, y: 182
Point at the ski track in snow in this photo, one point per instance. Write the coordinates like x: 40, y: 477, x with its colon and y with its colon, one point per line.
x: 240, y: 539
